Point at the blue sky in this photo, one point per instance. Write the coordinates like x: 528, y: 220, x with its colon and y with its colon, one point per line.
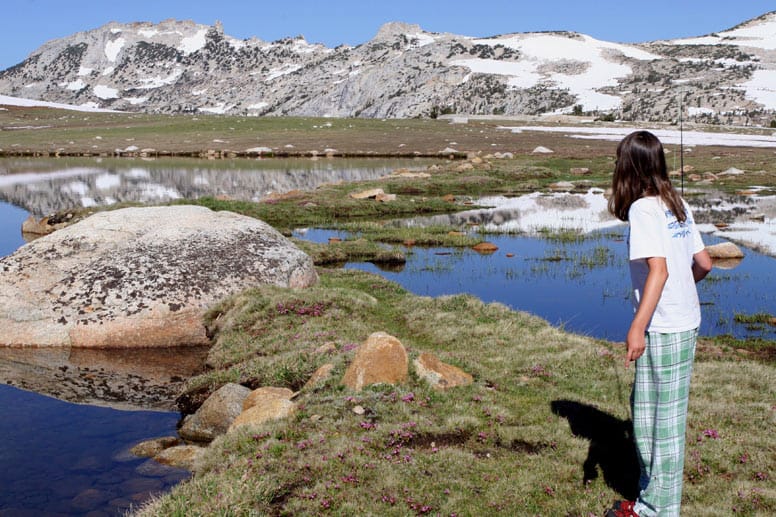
x: 27, y: 24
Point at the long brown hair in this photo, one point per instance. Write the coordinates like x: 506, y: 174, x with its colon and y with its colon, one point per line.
x: 640, y: 170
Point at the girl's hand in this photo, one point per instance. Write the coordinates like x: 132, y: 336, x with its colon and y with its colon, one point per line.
x: 636, y: 345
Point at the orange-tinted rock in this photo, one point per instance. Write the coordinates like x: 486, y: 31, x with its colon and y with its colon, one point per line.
x: 382, y: 359
x: 485, y: 247
x: 259, y: 395
x: 440, y: 375
x: 320, y: 375
x: 724, y: 250
x: 367, y: 194
x: 268, y: 409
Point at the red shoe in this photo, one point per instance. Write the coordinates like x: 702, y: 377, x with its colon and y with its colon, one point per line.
x: 621, y: 509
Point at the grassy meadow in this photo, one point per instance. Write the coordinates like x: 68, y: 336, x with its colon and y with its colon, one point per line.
x: 544, y: 428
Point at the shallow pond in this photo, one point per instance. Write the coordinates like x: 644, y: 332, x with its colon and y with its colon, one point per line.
x: 581, y: 284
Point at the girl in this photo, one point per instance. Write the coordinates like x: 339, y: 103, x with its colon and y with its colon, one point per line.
x: 667, y: 258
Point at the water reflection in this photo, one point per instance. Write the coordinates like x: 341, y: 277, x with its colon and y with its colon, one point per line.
x: 45, y: 186
x: 130, y: 379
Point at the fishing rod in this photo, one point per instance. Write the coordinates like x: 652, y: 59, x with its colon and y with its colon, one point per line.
x: 681, y: 137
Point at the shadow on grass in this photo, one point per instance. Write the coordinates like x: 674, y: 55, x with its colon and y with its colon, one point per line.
x: 611, y: 445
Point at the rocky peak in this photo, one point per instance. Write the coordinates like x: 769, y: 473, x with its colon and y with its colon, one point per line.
x: 390, y: 30
x: 183, y: 67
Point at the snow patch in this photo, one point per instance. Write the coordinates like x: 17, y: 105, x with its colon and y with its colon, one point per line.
x: 18, y: 101
x: 694, y: 112
x: 762, y: 88
x: 82, y: 71
x: 193, y: 43
x: 136, y: 100
x: 76, y: 85
x: 217, y: 110
x: 666, y: 136
x: 421, y: 39
x: 148, y: 33
x: 278, y: 72
x: 109, y: 70
x: 149, y: 83
x: 112, y: 48
x: 258, y: 106
x: 105, y: 92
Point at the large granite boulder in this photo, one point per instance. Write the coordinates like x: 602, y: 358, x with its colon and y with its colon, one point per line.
x: 139, y: 276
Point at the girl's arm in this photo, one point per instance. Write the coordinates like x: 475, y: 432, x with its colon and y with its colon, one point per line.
x: 701, y: 265
x: 653, y: 288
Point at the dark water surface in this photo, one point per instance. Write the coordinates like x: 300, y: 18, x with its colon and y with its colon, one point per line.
x: 58, y: 458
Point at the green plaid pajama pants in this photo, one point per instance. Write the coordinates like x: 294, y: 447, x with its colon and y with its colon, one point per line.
x: 659, y: 404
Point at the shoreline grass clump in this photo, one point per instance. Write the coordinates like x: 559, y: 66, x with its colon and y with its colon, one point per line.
x: 543, y: 430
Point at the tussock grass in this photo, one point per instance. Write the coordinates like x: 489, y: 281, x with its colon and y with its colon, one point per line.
x: 542, y: 431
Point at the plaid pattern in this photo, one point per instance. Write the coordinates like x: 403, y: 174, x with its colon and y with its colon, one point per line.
x: 659, y: 404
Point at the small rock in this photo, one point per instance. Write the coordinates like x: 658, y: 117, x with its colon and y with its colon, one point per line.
x: 464, y: 167
x: 36, y: 227
x: 385, y: 198
x: 90, y: 499
x: 450, y: 198
x: 359, y: 410
x: 724, y: 250
x: 327, y: 348
x: 216, y: 414
x: 579, y: 171
x: 151, y: 448
x: 181, y: 456
x: 485, y: 247
x: 562, y: 185
x: 259, y: 395
x: 269, y: 409
x: 380, y: 359
x: 367, y: 194
x: 320, y: 376
x: 440, y: 375
x: 542, y: 150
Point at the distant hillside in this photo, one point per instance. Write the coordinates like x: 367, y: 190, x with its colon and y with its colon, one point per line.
x: 183, y: 67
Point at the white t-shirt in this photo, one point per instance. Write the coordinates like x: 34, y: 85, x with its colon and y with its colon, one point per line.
x: 655, y: 232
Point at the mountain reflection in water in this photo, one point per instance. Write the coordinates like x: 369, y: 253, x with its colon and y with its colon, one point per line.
x: 46, y: 186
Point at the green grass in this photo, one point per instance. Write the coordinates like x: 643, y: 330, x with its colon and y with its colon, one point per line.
x: 542, y: 431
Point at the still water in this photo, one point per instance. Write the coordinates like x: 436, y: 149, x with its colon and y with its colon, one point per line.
x: 582, y: 285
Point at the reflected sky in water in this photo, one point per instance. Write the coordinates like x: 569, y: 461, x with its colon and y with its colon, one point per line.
x: 582, y: 286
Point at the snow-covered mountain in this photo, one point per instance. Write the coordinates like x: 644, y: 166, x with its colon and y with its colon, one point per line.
x: 183, y: 67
